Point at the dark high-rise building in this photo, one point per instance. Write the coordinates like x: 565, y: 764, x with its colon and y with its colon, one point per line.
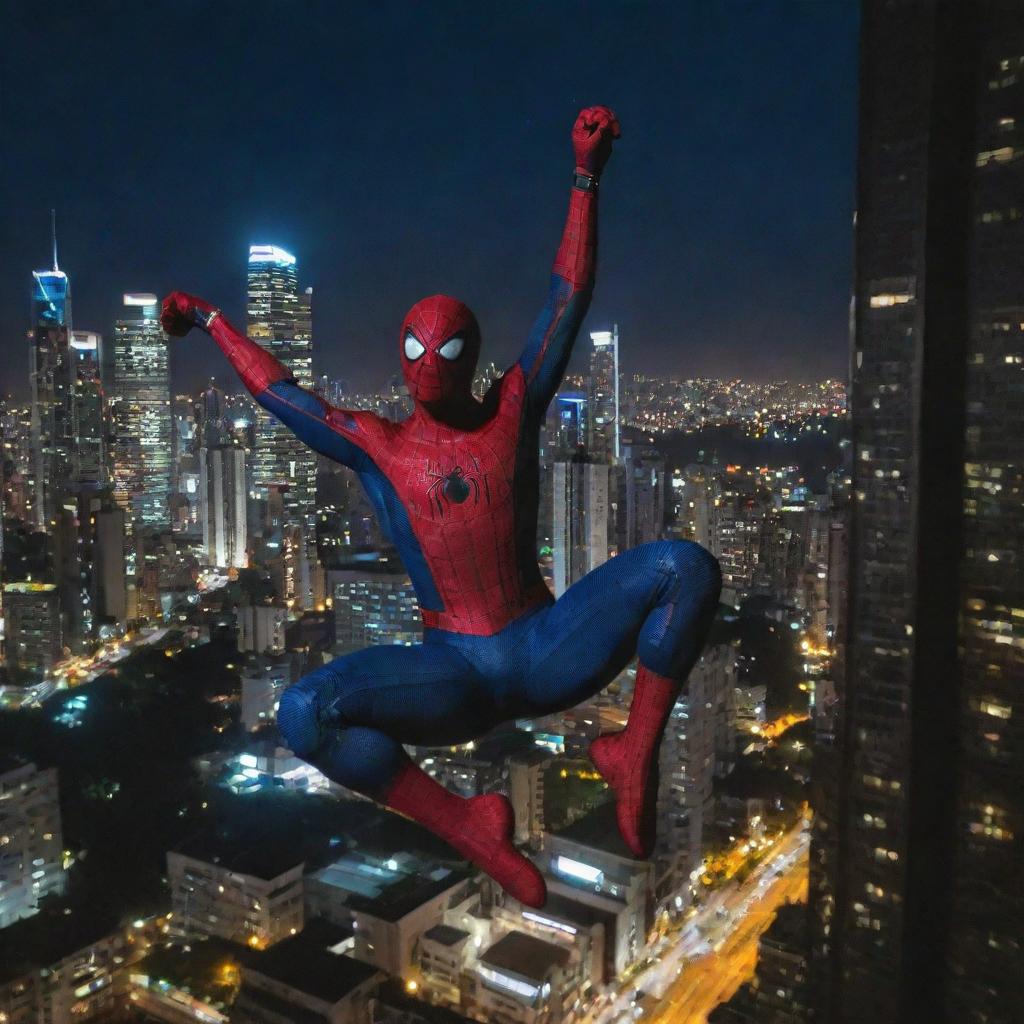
x: 51, y: 377
x: 565, y: 426
x: 643, y: 501
x: 89, y: 561
x: 32, y: 631
x: 580, y: 520
x: 89, y: 421
x: 563, y: 434
x: 143, y: 447
x: 917, y: 884
x: 987, y: 915
x: 210, y: 418
x: 16, y: 429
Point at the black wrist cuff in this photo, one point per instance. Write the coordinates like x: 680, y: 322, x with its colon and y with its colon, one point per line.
x: 584, y: 182
x: 204, y: 319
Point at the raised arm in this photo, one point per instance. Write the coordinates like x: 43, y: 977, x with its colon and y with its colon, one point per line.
x: 315, y: 422
x: 572, y: 278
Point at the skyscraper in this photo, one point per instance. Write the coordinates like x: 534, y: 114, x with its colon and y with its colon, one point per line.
x: 51, y: 378
x: 88, y: 424
x: 565, y: 426
x: 580, y: 528
x: 32, y: 866
x: 916, y: 882
x: 279, y: 320
x: 687, y: 760
x: 16, y: 428
x: 32, y: 627
x: 222, y: 496
x: 89, y: 561
x: 645, y: 484
x: 603, y: 394
x: 141, y: 410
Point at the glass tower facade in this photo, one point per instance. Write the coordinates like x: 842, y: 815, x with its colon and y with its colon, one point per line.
x: 916, y: 892
x: 141, y: 412
x: 603, y: 394
x: 279, y: 320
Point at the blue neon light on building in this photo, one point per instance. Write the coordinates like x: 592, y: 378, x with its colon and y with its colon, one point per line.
x: 50, y: 297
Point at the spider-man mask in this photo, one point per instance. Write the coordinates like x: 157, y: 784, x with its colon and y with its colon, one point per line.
x: 439, y: 345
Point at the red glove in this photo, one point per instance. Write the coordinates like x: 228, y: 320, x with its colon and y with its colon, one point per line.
x: 178, y: 313
x: 592, y: 136
x: 257, y: 367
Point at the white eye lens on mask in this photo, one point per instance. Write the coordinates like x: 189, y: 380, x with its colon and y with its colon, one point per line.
x: 451, y: 349
x: 413, y: 348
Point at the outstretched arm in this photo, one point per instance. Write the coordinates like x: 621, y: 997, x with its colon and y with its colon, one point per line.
x: 314, y: 421
x: 572, y: 278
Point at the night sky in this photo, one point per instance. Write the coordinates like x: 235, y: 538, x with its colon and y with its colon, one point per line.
x: 405, y: 149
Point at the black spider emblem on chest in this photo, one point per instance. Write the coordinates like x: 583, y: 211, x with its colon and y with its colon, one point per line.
x: 456, y: 486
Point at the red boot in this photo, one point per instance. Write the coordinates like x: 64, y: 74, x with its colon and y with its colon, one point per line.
x: 479, y: 828
x: 628, y: 760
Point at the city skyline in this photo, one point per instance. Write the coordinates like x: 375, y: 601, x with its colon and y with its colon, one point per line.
x: 183, y: 360
x: 726, y: 221
x: 671, y: 672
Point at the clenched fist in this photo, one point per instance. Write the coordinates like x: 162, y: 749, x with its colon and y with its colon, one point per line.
x: 592, y: 136
x: 178, y: 313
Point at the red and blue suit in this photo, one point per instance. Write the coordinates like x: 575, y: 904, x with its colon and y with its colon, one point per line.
x: 455, y: 488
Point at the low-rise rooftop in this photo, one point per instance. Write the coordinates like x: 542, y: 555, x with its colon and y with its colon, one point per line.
x: 259, y: 856
x: 599, y: 830
x: 276, y: 1008
x: 415, y: 1011
x: 268, y: 833
x: 525, y: 955
x: 582, y: 916
x: 305, y: 963
x: 445, y: 934
x: 387, y: 888
x: 60, y: 929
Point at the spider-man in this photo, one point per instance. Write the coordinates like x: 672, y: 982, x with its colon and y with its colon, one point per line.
x: 455, y: 487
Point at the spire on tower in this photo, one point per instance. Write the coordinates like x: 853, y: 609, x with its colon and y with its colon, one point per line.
x: 53, y: 235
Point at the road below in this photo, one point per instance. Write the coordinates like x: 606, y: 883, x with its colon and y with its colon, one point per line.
x: 715, y: 951
x: 714, y: 977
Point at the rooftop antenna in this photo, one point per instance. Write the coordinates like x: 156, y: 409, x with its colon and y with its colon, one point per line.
x: 53, y: 235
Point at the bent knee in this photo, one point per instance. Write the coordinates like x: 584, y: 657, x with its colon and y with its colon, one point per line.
x: 694, y: 567
x: 363, y: 760
x: 298, y: 719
